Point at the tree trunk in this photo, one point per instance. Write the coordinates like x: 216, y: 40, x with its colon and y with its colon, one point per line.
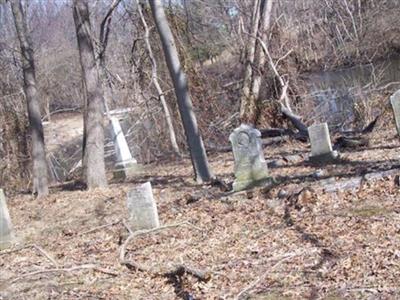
x: 154, y: 78
x: 40, y: 173
x: 93, y: 155
x: 195, y: 142
x: 105, y: 79
x: 255, y: 61
x: 248, y: 104
x: 260, y: 59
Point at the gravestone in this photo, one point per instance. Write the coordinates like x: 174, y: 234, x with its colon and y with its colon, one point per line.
x: 126, y: 166
x: 250, y: 166
x: 395, y: 102
x: 321, y: 147
x: 6, y: 231
x: 142, y: 208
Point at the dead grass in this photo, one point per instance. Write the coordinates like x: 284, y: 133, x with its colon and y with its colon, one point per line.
x: 315, y: 245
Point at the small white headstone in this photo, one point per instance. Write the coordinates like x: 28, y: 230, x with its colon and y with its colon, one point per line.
x: 250, y: 166
x: 126, y: 165
x: 321, y: 147
x: 395, y: 101
x: 142, y: 208
x: 6, y: 230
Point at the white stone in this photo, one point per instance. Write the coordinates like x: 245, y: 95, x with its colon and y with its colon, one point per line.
x: 142, y: 208
x: 125, y: 165
x: 320, y: 139
x: 6, y: 230
x: 395, y: 101
x: 250, y: 166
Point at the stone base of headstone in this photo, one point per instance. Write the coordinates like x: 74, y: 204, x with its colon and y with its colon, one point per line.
x: 126, y: 170
x: 241, y: 185
x: 325, y: 158
x: 142, y: 208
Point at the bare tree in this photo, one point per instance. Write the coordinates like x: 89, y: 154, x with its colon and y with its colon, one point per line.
x: 40, y: 173
x: 195, y: 142
x: 105, y: 27
x: 255, y: 60
x: 156, y: 83
x: 93, y: 144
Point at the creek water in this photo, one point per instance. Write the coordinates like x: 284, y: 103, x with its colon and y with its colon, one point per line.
x: 334, y: 93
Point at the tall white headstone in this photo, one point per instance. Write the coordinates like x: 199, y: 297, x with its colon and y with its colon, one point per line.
x: 126, y: 165
x: 321, y: 147
x: 250, y: 166
x: 395, y: 101
x: 6, y: 230
x: 142, y: 208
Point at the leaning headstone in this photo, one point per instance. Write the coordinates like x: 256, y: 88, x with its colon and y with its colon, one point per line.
x: 142, y: 208
x: 250, y: 166
x: 126, y: 166
x: 395, y: 101
x: 6, y: 230
x: 321, y: 147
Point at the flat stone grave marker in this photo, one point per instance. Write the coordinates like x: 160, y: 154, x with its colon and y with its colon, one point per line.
x: 250, y: 166
x: 142, y: 208
x: 395, y: 102
x: 6, y: 230
x: 321, y: 147
x: 126, y: 166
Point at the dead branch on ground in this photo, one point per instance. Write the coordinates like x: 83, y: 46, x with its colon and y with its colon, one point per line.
x: 178, y: 270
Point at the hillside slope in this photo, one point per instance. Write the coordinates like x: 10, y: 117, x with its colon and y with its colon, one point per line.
x: 295, y: 241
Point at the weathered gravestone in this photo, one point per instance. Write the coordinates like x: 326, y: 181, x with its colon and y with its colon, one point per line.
x: 126, y: 166
x: 395, y: 101
x: 6, y: 231
x: 321, y: 147
x: 250, y: 166
x: 142, y: 208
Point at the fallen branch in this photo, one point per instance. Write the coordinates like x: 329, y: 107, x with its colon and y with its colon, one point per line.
x: 34, y: 246
x: 45, y: 254
x: 100, y: 227
x: 177, y: 270
x: 262, y: 277
x: 66, y: 270
x: 295, y: 120
x: 275, y: 132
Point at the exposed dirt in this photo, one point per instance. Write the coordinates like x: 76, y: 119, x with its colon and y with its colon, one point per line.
x: 304, y: 244
x: 62, y: 130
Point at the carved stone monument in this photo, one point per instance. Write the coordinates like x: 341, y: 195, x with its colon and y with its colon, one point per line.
x: 6, y: 230
x: 395, y: 102
x: 250, y: 166
x: 321, y: 147
x: 126, y: 166
x: 142, y: 208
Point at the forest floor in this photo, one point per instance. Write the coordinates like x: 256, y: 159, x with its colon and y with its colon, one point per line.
x: 316, y: 235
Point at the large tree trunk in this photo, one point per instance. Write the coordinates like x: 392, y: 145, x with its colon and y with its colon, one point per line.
x: 40, y: 175
x: 195, y: 142
x: 93, y: 154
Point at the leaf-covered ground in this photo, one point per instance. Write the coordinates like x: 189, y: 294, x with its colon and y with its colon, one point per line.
x: 294, y: 241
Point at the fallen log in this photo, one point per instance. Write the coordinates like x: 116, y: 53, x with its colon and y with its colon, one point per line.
x: 331, y: 185
x: 351, y: 142
x: 295, y: 120
x: 356, y: 139
x: 275, y: 132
